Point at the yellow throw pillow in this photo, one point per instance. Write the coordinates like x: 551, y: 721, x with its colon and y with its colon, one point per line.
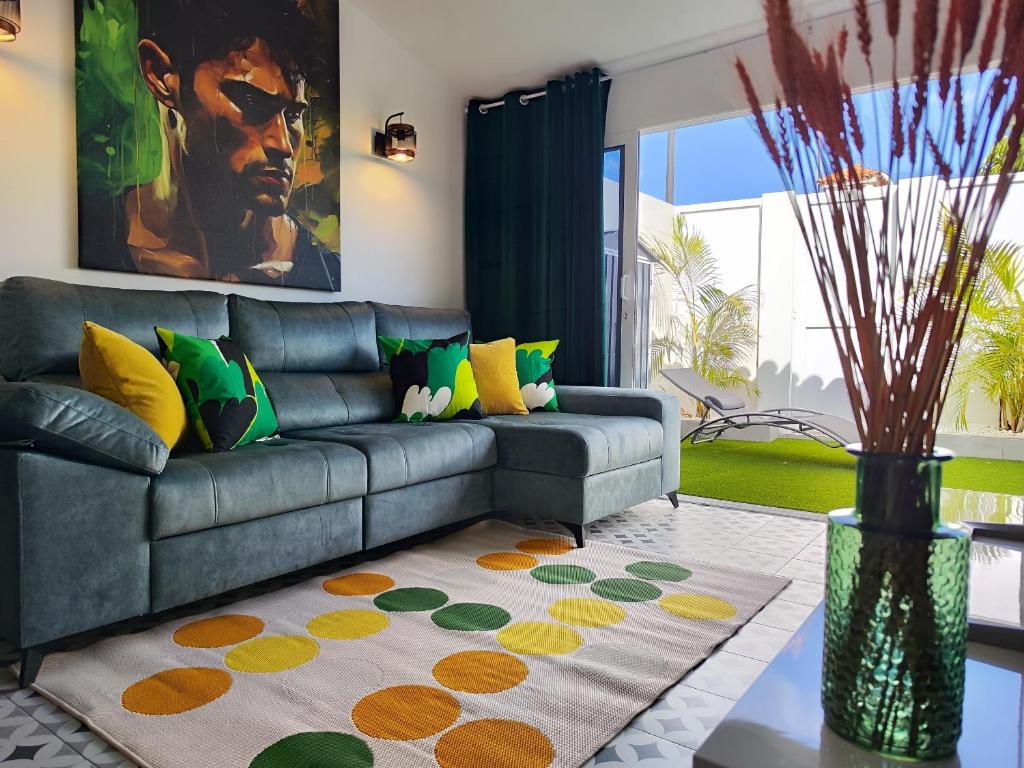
x: 120, y: 370
x: 494, y: 368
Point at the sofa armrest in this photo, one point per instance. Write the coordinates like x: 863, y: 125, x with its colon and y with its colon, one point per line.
x: 616, y: 401
x: 75, y: 424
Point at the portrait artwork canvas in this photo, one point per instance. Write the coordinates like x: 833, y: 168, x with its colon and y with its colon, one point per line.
x: 208, y: 142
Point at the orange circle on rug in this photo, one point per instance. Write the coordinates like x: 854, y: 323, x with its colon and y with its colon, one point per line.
x: 174, y: 691
x: 218, y: 631
x: 356, y: 584
x: 405, y: 712
x: 506, y: 561
x: 545, y: 546
x: 496, y: 744
x: 539, y: 638
x: 480, y: 671
x: 272, y: 654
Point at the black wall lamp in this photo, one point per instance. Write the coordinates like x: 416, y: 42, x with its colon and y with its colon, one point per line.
x: 398, y: 142
x: 10, y: 20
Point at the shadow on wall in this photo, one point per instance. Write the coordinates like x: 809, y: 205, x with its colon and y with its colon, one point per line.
x: 780, y: 389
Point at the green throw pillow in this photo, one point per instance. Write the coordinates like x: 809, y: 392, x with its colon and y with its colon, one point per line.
x: 224, y: 398
x: 431, y: 379
x: 533, y: 366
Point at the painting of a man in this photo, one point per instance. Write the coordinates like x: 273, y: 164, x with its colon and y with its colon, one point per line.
x: 207, y: 134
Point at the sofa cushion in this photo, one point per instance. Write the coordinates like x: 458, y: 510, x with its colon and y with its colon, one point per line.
x: 314, y: 400
x: 206, y: 490
x: 398, y: 455
x: 418, y: 322
x: 573, y: 444
x: 301, y: 337
x: 41, y: 320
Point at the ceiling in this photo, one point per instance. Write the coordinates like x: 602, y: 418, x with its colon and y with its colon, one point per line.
x: 486, y: 47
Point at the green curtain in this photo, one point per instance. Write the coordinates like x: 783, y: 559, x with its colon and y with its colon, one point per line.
x: 534, y: 236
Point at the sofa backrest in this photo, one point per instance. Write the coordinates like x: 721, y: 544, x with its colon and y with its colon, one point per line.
x: 317, y: 360
x: 41, y: 321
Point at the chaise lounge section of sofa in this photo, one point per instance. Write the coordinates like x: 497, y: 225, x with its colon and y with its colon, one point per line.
x: 99, y: 522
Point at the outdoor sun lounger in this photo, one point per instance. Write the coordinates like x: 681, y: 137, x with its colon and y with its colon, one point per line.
x: 732, y: 413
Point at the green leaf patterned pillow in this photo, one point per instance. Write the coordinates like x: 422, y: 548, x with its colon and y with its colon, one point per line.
x: 533, y: 366
x: 431, y: 379
x: 224, y: 398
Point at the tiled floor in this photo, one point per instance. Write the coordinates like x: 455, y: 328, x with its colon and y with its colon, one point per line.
x: 35, y: 734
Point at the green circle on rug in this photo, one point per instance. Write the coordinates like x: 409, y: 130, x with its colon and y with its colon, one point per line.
x: 625, y: 590
x: 471, y: 617
x: 563, y: 574
x: 312, y: 750
x: 411, y: 599
x: 657, y: 571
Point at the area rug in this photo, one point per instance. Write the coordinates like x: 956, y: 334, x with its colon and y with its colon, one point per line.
x: 497, y: 647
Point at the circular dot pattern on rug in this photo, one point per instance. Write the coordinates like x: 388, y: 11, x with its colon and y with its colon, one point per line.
x: 563, y: 574
x: 496, y: 744
x: 218, y: 631
x: 539, y: 638
x: 480, y: 671
x: 405, y: 712
x: 657, y: 571
x: 506, y: 561
x: 694, y: 606
x: 348, y: 625
x: 471, y: 617
x: 587, y: 612
x: 174, y: 691
x: 272, y: 654
x: 314, y: 750
x: 545, y: 546
x: 357, y: 584
x: 411, y: 599
x: 625, y: 590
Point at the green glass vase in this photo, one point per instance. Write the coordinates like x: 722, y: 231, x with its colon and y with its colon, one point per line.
x: 896, y: 612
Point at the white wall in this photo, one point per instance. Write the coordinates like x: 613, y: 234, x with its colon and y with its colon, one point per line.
x: 401, y: 226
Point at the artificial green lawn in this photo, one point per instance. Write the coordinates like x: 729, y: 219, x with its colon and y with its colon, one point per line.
x: 801, y: 474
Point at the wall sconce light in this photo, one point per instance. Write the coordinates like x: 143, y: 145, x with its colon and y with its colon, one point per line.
x: 10, y: 20
x: 398, y: 142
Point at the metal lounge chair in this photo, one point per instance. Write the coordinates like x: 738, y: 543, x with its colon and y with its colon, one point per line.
x: 732, y: 413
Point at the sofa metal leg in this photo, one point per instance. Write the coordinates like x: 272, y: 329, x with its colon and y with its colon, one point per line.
x: 673, y: 496
x: 578, y: 532
x: 31, y: 661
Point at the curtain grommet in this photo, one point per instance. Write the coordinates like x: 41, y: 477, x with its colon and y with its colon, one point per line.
x: 523, y: 100
x: 483, y: 109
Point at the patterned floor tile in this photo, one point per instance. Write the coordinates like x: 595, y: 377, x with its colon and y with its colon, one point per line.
x: 636, y: 749
x: 684, y: 715
x: 801, y: 569
x: 805, y: 592
x: 26, y: 743
x: 783, y: 614
x: 758, y: 641
x: 725, y: 674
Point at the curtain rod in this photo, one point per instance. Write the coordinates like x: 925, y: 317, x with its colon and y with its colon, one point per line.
x: 525, y: 98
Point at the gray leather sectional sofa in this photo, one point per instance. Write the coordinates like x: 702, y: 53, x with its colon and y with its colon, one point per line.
x: 99, y: 523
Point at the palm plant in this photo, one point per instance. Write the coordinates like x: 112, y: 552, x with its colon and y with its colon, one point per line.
x: 992, y: 350
x: 715, y: 330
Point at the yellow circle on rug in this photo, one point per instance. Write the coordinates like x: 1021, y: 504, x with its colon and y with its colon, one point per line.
x: 539, y: 638
x: 272, y: 654
x: 496, y: 744
x: 480, y: 671
x: 545, y: 546
x: 218, y: 631
x: 353, y: 624
x: 357, y: 584
x: 174, y: 691
x: 587, y: 612
x: 694, y: 606
x: 506, y: 561
x: 405, y: 712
